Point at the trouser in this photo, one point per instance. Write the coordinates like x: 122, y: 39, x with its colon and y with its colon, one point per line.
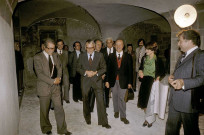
x: 176, y: 118
x: 101, y: 110
x: 119, y: 103
x: 59, y: 112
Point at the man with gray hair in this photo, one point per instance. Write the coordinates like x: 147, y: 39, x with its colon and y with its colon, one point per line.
x: 106, y: 52
x: 91, y: 65
x: 49, y: 72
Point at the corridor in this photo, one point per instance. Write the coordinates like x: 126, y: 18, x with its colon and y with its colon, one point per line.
x: 30, y: 119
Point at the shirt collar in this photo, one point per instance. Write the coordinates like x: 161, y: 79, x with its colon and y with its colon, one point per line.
x: 121, y: 53
x: 190, y: 51
x: 58, y: 51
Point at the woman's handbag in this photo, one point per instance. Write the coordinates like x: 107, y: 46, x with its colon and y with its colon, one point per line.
x: 129, y: 95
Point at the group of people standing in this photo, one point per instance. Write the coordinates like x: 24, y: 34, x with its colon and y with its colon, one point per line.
x: 97, y: 72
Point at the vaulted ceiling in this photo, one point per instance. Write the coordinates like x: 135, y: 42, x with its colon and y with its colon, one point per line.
x: 105, y: 14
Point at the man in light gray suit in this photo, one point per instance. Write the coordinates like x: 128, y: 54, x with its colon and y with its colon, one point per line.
x: 63, y: 55
x: 49, y: 71
x: 183, y: 81
x: 91, y: 65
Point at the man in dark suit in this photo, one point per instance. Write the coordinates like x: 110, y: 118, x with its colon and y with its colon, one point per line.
x: 119, y: 77
x: 49, y: 71
x: 92, y: 66
x: 183, y: 81
x: 76, y: 77
x: 63, y: 55
x: 106, y: 52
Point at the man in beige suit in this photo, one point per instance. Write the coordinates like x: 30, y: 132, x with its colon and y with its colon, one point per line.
x: 49, y: 71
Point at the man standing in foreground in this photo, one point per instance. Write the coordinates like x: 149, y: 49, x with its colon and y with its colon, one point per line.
x: 49, y: 71
x: 183, y: 81
x: 91, y: 65
x: 119, y: 77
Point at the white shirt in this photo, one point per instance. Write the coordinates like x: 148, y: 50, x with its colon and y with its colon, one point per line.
x: 109, y: 50
x: 92, y: 55
x: 59, y: 51
x: 47, y: 56
x: 190, y: 51
x: 121, y: 54
x: 78, y: 52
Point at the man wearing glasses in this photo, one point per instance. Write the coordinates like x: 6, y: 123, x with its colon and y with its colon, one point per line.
x: 49, y: 71
x: 92, y: 66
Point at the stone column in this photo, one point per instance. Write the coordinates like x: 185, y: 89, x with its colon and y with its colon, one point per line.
x: 9, y: 106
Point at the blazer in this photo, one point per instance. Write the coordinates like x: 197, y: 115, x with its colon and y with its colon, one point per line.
x: 125, y: 72
x: 159, y: 67
x: 181, y: 99
x: 73, y: 63
x: 64, y: 61
x: 105, y: 53
x: 44, y: 80
x: 98, y: 64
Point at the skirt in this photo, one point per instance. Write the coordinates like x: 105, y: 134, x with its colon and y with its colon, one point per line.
x: 144, y: 92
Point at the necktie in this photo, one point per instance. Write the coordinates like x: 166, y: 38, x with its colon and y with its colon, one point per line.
x: 109, y: 51
x: 118, y: 56
x: 183, y: 57
x: 50, y: 64
x: 90, y: 60
x: 60, y: 52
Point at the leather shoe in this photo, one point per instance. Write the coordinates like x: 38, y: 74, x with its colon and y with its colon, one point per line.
x: 145, y: 124
x: 67, y: 101
x: 116, y: 115
x: 124, y: 120
x: 149, y: 125
x: 106, y: 126
x: 68, y: 133
x: 49, y: 132
x: 88, y: 122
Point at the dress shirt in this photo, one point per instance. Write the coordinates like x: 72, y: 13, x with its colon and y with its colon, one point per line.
x: 92, y: 56
x: 58, y: 51
x: 109, y: 50
x: 121, y: 54
x: 78, y: 52
x: 47, y: 56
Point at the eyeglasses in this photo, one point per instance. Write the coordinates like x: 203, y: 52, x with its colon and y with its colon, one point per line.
x: 50, y: 48
x: 89, y: 47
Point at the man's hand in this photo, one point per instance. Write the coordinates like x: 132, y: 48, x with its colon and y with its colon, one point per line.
x: 129, y: 86
x: 103, y: 77
x: 141, y: 75
x: 177, y: 84
x: 90, y: 73
x: 57, y: 80
x: 171, y: 79
x: 107, y: 85
x: 157, y: 79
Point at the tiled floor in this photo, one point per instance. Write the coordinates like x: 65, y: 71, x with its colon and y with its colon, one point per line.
x: 30, y: 119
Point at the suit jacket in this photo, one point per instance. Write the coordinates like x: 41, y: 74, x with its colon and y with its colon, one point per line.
x: 44, y: 81
x: 125, y: 72
x: 98, y: 64
x: 73, y: 63
x: 139, y: 54
x: 64, y: 61
x: 105, y: 53
x: 181, y: 99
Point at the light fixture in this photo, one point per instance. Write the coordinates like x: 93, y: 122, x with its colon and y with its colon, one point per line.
x: 185, y: 15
